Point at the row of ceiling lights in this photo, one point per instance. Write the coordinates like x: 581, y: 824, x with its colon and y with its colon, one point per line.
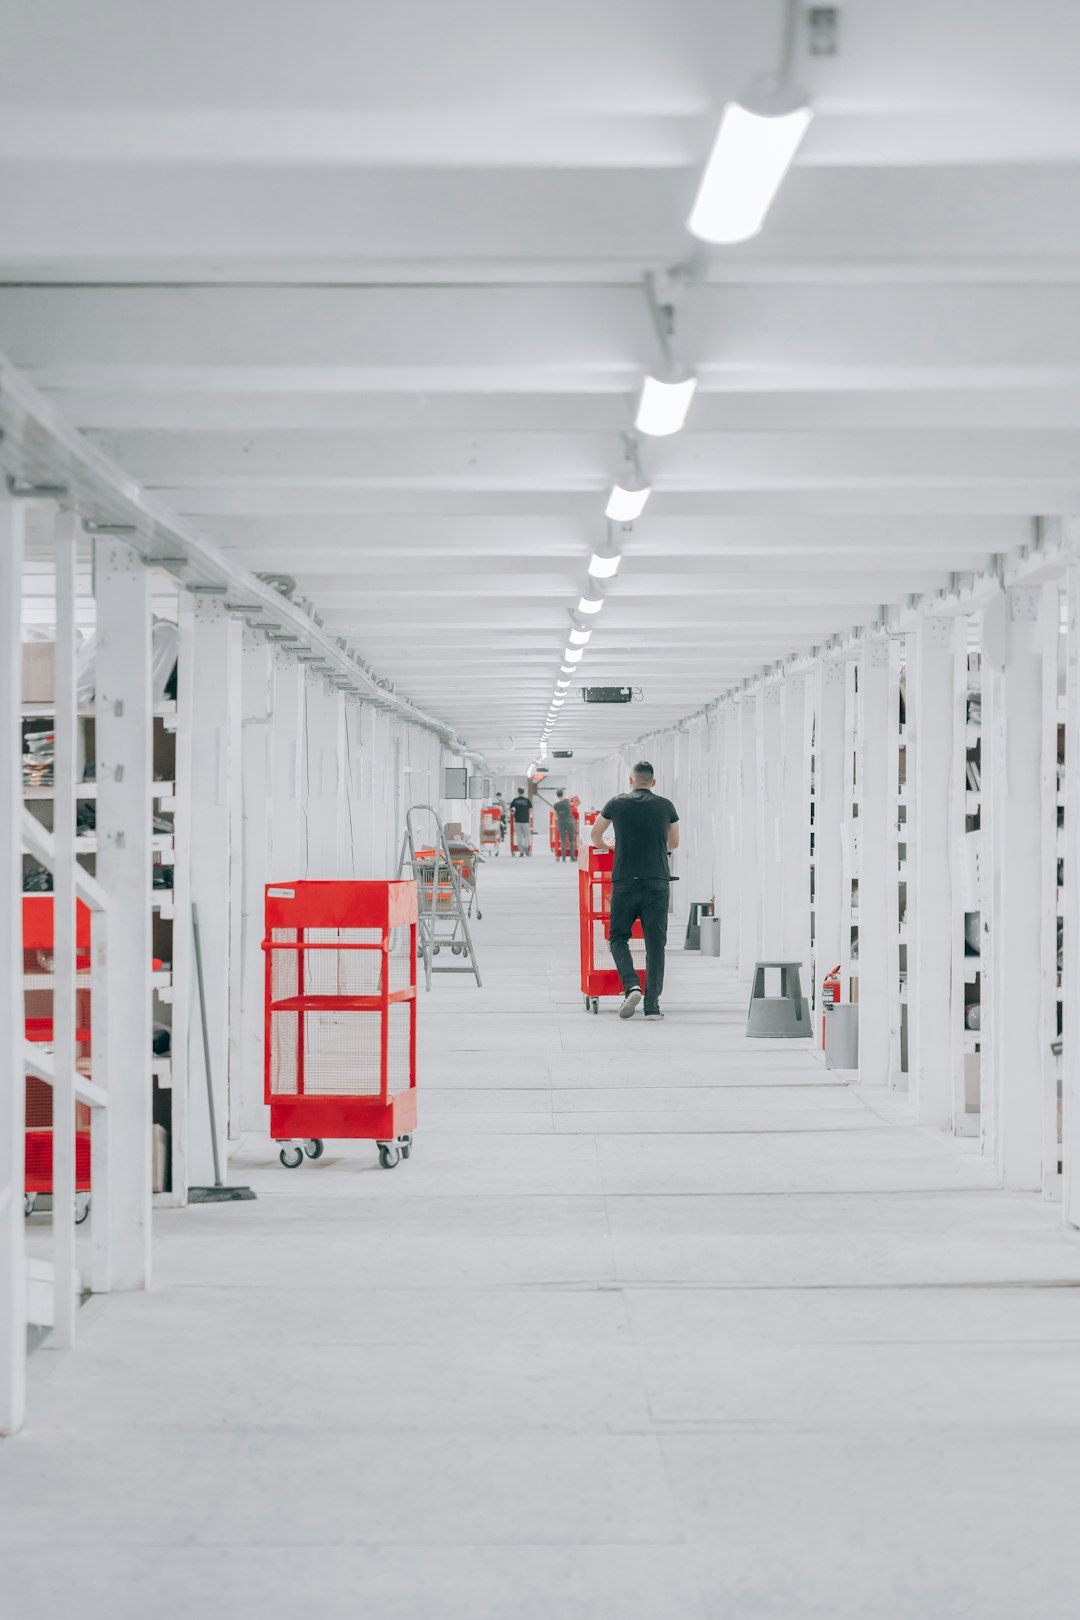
x: 754, y: 147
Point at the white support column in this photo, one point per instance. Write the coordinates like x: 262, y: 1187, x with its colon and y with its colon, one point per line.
x: 246, y: 1066
x: 935, y: 822
x: 1070, y: 981
x: 209, y: 715
x: 728, y: 840
x: 63, y: 1092
x: 287, y: 740
x: 12, y: 1073
x: 771, y: 803
x: 124, y: 773
x: 1022, y: 786
x: 749, y: 855
x: 831, y: 764
x: 879, y: 940
x: 795, y: 826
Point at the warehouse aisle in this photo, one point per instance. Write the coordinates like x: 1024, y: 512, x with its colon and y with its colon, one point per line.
x: 657, y: 1323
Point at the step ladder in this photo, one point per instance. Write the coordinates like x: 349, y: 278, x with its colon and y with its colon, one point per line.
x: 441, y: 917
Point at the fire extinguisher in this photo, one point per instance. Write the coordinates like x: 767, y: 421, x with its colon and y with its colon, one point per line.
x: 830, y: 995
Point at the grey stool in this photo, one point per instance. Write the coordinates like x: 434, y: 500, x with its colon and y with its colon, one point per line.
x: 784, y: 1015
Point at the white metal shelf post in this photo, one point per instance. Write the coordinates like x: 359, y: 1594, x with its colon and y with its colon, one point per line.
x: 1019, y: 776
x: 831, y: 763
x: 1070, y: 981
x: 65, y: 723
x: 934, y: 828
x: 879, y: 939
x: 771, y: 801
x: 794, y: 830
x: 749, y: 831
x: 12, y: 1074
x: 256, y: 812
x: 728, y: 841
x: 124, y: 773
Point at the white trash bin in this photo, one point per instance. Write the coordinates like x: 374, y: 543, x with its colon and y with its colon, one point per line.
x: 710, y: 936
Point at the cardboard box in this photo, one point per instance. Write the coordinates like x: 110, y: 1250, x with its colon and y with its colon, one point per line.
x: 452, y: 829
x: 38, y: 678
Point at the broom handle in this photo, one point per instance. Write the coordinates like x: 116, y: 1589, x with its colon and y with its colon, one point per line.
x: 205, y: 1043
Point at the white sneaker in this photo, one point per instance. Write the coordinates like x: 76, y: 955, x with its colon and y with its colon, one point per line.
x: 630, y: 1003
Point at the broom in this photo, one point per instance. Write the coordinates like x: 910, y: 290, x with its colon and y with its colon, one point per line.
x: 219, y: 1193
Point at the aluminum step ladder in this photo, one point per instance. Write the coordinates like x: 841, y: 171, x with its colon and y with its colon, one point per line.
x: 442, y: 921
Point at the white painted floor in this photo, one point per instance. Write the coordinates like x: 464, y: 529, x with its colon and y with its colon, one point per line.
x: 658, y: 1324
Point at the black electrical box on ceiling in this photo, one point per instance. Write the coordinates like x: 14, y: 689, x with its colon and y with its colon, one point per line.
x: 606, y: 694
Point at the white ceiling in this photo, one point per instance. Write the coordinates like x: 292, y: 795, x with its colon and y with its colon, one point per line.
x: 357, y: 289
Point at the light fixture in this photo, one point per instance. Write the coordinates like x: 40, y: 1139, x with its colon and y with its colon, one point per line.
x: 664, y: 402
x: 590, y: 604
x: 560, y: 686
x: 753, y: 151
x: 624, y: 505
x: 574, y: 655
x: 566, y: 669
x: 605, y: 562
x: 557, y: 703
x: 580, y: 637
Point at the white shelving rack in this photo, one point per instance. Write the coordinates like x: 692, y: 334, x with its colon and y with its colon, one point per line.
x: 973, y: 1009
x: 905, y: 850
x: 850, y: 842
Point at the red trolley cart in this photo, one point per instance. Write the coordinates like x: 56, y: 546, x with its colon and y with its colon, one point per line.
x: 491, y: 827
x: 37, y: 918
x: 340, y: 1038
x: 553, y: 832
x: 598, y: 975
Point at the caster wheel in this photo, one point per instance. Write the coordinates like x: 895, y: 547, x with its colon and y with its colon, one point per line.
x: 479, y: 916
x: 82, y: 1207
x: 292, y: 1157
x: 588, y: 1005
x: 435, y: 950
x: 314, y: 1148
x: 595, y: 1005
x: 405, y: 1143
x: 455, y: 950
x: 389, y: 1155
x: 29, y: 1200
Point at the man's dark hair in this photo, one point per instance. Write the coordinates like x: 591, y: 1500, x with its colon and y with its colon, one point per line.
x: 521, y: 790
x: 644, y: 769
x: 558, y: 793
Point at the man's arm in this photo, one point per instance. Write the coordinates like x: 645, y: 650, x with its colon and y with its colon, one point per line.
x: 599, y: 828
x: 673, y: 836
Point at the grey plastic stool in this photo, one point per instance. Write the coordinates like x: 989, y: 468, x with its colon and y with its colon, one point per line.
x: 698, y: 909
x: 784, y: 1015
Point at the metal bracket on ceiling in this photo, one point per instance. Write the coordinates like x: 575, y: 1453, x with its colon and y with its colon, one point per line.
x: 207, y: 590
x: 119, y: 529
x: 19, y: 490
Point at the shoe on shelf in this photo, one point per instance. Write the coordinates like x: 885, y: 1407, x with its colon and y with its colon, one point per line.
x: 630, y: 1001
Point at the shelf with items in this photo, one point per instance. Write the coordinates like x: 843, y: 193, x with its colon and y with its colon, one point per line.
x: 973, y: 934
x: 850, y: 839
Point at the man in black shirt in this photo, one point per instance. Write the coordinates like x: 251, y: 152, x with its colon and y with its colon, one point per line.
x: 521, y: 810
x: 646, y: 830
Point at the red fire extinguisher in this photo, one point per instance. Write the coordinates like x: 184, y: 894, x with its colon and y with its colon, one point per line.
x: 830, y: 995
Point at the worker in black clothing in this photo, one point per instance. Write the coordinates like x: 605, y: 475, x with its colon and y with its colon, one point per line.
x: 565, y: 828
x: 521, y: 810
x: 646, y: 831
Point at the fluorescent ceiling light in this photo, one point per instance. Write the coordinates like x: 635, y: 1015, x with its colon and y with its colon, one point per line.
x: 590, y: 604
x: 574, y: 655
x: 624, y: 505
x: 750, y: 157
x: 605, y: 564
x: 567, y: 669
x: 557, y: 703
x: 560, y: 686
x: 663, y: 405
x: 579, y: 637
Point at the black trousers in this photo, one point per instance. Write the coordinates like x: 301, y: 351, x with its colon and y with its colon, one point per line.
x: 645, y: 899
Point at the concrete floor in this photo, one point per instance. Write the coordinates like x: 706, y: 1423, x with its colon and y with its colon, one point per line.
x: 657, y: 1323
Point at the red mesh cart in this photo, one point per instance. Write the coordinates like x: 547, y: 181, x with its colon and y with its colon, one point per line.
x: 340, y: 1046
x: 491, y: 828
x: 553, y: 832
x: 598, y: 975
x: 38, y: 984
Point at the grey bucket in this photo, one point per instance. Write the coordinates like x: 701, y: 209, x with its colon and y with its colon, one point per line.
x: 710, y: 936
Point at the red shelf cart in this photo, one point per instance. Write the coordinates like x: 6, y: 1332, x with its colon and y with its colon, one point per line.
x: 37, y: 921
x: 598, y: 975
x: 340, y: 1038
x: 553, y: 832
x: 491, y: 827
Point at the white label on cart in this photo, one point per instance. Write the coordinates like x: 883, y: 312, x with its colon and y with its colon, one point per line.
x: 281, y: 894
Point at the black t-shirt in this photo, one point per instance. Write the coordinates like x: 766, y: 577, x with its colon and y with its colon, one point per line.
x: 522, y: 807
x: 641, y: 820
